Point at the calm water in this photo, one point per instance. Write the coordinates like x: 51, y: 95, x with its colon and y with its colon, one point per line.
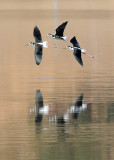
x: 39, y: 119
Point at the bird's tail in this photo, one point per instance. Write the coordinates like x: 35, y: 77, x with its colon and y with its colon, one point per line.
x: 83, y: 50
x: 65, y: 38
x: 45, y: 44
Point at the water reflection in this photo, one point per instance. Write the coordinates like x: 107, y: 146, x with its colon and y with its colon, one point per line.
x: 78, y: 107
x: 39, y: 105
x: 72, y: 112
x: 110, y: 117
x: 55, y: 13
x: 39, y: 109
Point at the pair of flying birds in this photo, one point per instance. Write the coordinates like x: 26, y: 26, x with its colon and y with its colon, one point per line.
x: 39, y: 44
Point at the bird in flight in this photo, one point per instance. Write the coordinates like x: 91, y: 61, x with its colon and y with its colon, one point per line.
x: 39, y: 44
x: 59, y: 32
x: 77, y: 50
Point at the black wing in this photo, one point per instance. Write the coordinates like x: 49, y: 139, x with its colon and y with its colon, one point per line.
x: 77, y: 104
x: 38, y: 54
x: 77, y: 55
x: 37, y: 34
x: 74, y: 42
x: 39, y: 99
x: 60, y: 29
x: 60, y: 120
x: 39, y: 104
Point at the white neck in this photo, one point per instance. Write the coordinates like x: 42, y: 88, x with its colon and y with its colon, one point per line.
x: 82, y: 50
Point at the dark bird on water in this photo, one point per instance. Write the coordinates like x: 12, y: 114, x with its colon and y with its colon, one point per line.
x: 59, y: 32
x: 39, y: 44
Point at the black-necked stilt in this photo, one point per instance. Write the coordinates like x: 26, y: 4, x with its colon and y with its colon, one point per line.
x: 77, y: 50
x: 39, y: 44
x: 59, y: 32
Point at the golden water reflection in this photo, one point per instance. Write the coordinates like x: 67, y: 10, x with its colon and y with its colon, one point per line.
x: 60, y: 79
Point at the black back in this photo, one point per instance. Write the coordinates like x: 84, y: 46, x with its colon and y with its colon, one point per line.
x: 74, y: 42
x: 37, y: 34
x: 38, y: 54
x: 77, y: 55
x: 60, y: 29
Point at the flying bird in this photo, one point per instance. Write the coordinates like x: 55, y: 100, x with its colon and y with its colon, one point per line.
x: 39, y: 44
x: 77, y: 50
x: 59, y: 32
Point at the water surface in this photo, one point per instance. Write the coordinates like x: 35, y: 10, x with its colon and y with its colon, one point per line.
x: 25, y: 131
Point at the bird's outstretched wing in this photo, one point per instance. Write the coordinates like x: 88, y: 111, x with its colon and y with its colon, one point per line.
x: 74, y: 42
x: 78, y: 103
x: 77, y: 55
x: 38, y: 54
x: 39, y: 104
x: 60, y: 29
x: 37, y: 34
x: 39, y: 99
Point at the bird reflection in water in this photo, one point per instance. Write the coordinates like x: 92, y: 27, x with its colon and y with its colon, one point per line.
x: 72, y: 112
x: 78, y: 107
x: 39, y: 109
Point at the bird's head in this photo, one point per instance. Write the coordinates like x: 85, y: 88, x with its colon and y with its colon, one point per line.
x: 69, y: 47
x: 30, y: 43
x: 49, y: 35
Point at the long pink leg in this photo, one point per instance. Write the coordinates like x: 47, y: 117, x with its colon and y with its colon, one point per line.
x: 88, y: 55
